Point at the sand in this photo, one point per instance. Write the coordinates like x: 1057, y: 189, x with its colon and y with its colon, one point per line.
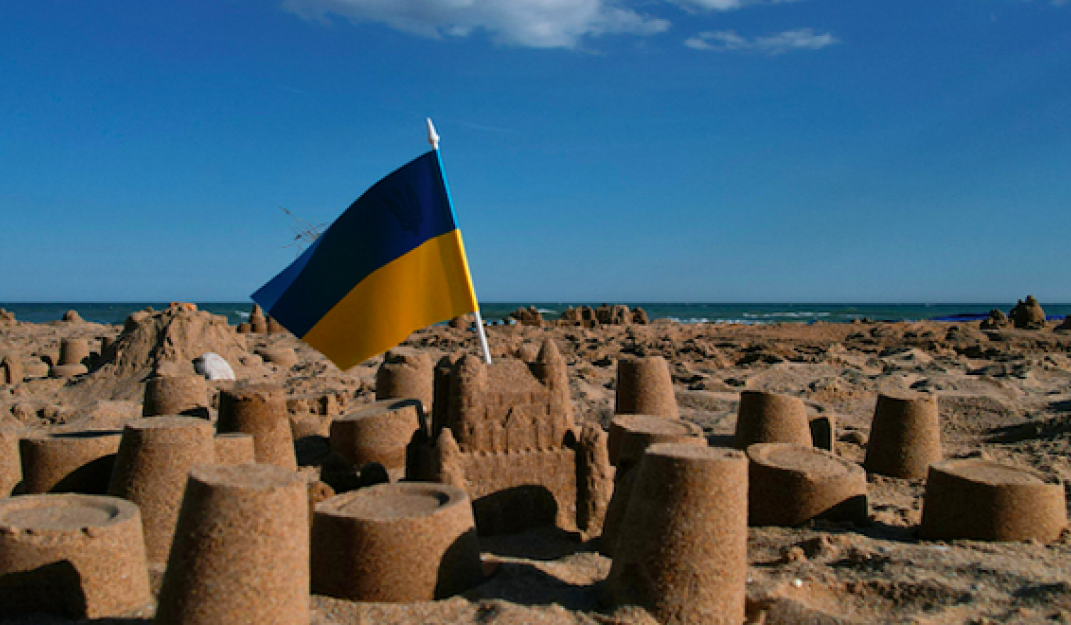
x: 1004, y: 395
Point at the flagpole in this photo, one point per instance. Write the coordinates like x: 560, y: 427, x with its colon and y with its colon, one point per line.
x: 433, y: 139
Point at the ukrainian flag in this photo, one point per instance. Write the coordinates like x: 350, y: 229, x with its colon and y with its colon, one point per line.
x: 391, y: 264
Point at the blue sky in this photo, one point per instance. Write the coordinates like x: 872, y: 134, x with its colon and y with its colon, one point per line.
x: 654, y: 150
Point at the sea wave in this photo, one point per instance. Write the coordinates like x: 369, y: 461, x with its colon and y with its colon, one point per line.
x: 789, y: 314
x: 244, y: 314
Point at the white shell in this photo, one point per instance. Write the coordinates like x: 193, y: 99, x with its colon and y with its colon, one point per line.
x: 213, y: 367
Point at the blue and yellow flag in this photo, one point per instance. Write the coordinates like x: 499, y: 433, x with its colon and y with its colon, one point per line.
x: 391, y: 264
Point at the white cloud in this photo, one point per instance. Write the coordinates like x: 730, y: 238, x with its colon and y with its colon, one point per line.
x: 529, y: 23
x: 724, y: 5
x: 729, y: 41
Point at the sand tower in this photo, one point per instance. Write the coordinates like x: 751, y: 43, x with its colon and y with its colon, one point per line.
x: 504, y: 433
x: 411, y: 541
x: 978, y: 499
x: 682, y: 553
x: 644, y: 386
x: 378, y: 432
x: 241, y: 549
x: 155, y: 456
x: 69, y: 462
x: 406, y: 374
x: 765, y: 417
x: 180, y: 395
x: 11, y: 370
x: 792, y: 484
x: 260, y: 410
x: 10, y: 465
x: 905, y: 436
x: 80, y: 556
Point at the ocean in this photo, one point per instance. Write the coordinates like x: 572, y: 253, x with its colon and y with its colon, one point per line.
x: 236, y: 312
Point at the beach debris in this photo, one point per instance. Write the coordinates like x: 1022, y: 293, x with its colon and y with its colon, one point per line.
x: 996, y: 320
x: 241, y: 548
x: 68, y: 462
x: 411, y: 541
x: 155, y: 455
x: 905, y: 436
x: 977, y: 499
x: 406, y: 374
x: 213, y: 367
x: 77, y: 556
x: 1028, y: 314
x: 72, y: 316
x: 766, y: 417
x: 644, y: 386
x: 792, y: 484
x: 180, y: 395
x: 682, y: 550
x: 504, y: 432
x: 260, y: 410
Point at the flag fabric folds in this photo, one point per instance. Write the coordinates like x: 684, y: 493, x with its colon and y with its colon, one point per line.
x: 392, y: 263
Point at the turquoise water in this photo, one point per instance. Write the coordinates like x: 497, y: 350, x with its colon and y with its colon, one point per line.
x: 116, y: 312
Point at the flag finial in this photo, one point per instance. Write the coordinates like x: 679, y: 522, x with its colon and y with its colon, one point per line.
x: 433, y: 137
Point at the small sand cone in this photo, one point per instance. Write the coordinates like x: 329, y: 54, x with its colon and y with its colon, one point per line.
x: 78, y: 462
x: 154, y: 458
x: 241, y: 549
x: 179, y: 395
x: 235, y: 448
x: 80, y: 556
x: 905, y: 436
x: 377, y: 432
x: 644, y: 387
x: 406, y: 374
x: 977, y: 499
x: 682, y: 554
x: 765, y: 417
x: 10, y: 465
x: 74, y: 352
x: 792, y: 484
x: 260, y: 411
x: 405, y: 542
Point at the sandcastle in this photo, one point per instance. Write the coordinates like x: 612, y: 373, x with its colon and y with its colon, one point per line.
x: 682, y: 553
x: 1028, y: 315
x: 905, y: 436
x: 378, y: 432
x: 11, y: 370
x: 979, y: 499
x: 765, y: 417
x: 644, y: 386
x: 792, y: 484
x: 241, y: 548
x: 10, y: 464
x: 410, y: 541
x: 79, y: 556
x: 504, y: 433
x: 260, y: 410
x: 178, y: 395
x: 78, y: 462
x: 74, y: 354
x: 406, y: 374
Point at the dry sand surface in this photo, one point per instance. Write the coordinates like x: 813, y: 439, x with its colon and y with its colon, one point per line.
x: 1003, y: 395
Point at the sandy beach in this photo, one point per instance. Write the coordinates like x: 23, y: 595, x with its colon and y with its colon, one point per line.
x: 1003, y: 394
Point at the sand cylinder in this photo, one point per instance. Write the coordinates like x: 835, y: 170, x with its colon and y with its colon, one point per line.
x: 629, y: 438
x: 67, y: 371
x: 155, y: 456
x: 179, y: 395
x: 80, y: 556
x: 792, y: 484
x: 682, y: 553
x: 241, y: 548
x: 283, y: 357
x: 260, y: 411
x: 377, y: 432
x: 70, y: 462
x: 765, y: 417
x: 644, y: 387
x: 10, y: 465
x: 404, y: 542
x: 406, y: 374
x: 234, y: 448
x: 11, y: 370
x: 977, y: 499
x: 73, y: 351
x: 905, y: 436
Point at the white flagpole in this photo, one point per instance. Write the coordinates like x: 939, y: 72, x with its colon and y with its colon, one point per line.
x: 433, y: 139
